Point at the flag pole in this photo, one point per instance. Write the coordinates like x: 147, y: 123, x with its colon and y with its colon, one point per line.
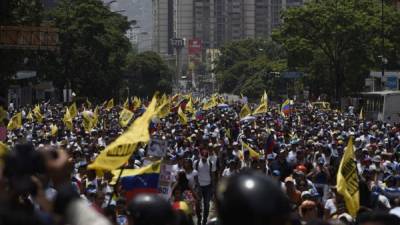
x: 115, y: 186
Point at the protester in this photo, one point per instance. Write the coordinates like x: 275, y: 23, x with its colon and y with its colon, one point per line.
x: 49, y: 180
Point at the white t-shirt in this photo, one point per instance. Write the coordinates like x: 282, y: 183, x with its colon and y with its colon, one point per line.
x: 384, y: 200
x: 213, y: 159
x: 203, y: 171
x: 175, y: 170
x: 190, y: 176
x: 330, y: 205
x: 228, y: 172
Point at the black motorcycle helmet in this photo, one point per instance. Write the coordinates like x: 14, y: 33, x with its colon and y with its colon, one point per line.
x: 150, y: 209
x: 251, y: 198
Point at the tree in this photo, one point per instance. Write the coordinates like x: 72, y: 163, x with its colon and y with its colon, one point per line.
x: 93, y: 48
x: 14, y: 13
x: 245, y: 66
x: 336, y: 42
x: 147, y: 74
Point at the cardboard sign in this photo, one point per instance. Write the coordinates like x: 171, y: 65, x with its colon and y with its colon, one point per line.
x: 157, y: 147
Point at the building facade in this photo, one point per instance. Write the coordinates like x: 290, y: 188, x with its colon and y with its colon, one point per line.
x: 216, y: 22
x: 211, y: 23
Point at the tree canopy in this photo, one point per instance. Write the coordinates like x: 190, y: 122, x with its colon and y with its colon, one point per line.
x: 17, y: 12
x: 245, y: 66
x: 93, y: 48
x: 148, y: 73
x: 338, y: 42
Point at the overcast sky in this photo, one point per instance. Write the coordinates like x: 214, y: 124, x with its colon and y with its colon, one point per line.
x: 139, y: 10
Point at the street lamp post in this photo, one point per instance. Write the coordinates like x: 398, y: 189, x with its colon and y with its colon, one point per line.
x: 382, y: 41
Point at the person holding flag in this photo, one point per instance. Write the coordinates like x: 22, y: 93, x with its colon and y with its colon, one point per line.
x: 347, y: 180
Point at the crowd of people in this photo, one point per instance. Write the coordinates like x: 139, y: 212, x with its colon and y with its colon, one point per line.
x: 293, y: 158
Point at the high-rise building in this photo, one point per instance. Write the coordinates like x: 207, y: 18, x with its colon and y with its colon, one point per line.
x: 216, y: 21
x: 203, y: 21
x: 262, y: 18
x: 212, y: 23
x: 163, y: 25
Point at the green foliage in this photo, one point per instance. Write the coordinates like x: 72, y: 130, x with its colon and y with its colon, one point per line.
x: 93, y: 48
x: 338, y: 42
x: 147, y: 74
x: 245, y: 66
x: 16, y: 12
x: 21, y: 12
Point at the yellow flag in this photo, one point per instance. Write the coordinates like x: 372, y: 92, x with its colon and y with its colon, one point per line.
x: 15, y: 122
x: 136, y: 103
x: 126, y: 104
x: 95, y: 117
x: 30, y: 116
x: 189, y: 106
x: 361, y: 116
x: 347, y: 180
x: 162, y: 100
x: 124, y: 117
x: 37, y: 114
x: 253, y: 153
x: 3, y: 148
x: 164, y: 108
x: 87, y: 121
x: 104, y: 104
x: 262, y: 108
x: 264, y: 98
x: 3, y: 151
x: 245, y: 111
x: 182, y: 116
x: 88, y: 104
x: 73, y: 110
x: 240, y: 155
x: 67, y: 119
x: 175, y: 97
x: 228, y: 133
x: 221, y: 99
x: 53, y: 130
x: 3, y: 115
x: 211, y: 103
x: 110, y: 104
x: 118, y: 152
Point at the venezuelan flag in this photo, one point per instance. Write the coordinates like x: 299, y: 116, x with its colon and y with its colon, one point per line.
x: 269, y: 145
x: 142, y: 180
x: 286, y: 107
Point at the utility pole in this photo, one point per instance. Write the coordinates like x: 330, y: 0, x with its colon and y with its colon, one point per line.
x: 382, y: 40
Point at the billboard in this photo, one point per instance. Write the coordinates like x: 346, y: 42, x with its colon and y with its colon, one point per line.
x: 29, y: 37
x: 195, y: 46
x: 177, y: 42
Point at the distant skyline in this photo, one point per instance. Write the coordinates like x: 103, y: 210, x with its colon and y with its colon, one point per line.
x: 141, y: 11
